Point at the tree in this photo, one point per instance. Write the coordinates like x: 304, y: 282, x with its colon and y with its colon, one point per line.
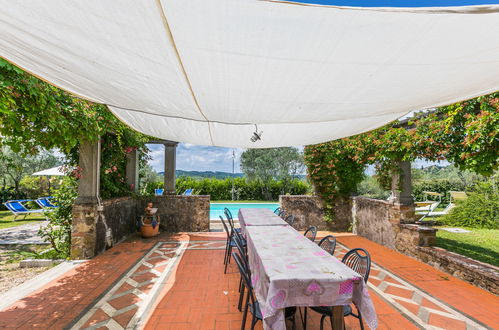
x: 36, y: 116
x: 14, y: 166
x: 274, y: 163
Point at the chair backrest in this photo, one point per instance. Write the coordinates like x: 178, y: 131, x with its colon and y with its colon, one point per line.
x: 229, y: 234
x: 16, y: 206
x: 158, y: 192
x: 290, y: 220
x: 328, y: 244
x: 277, y: 211
x: 242, y: 251
x: 245, y: 275
x: 359, y: 260
x: 282, y: 213
x: 44, y: 202
x: 310, y: 233
x: 228, y: 214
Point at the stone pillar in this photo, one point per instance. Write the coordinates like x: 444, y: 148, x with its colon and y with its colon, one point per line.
x: 402, y: 184
x: 89, y: 163
x: 132, y: 170
x: 86, y: 206
x: 170, y: 166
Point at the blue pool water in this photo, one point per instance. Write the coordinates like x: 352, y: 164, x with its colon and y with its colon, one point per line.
x: 217, y: 209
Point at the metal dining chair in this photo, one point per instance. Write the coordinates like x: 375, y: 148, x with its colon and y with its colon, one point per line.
x: 277, y: 211
x: 360, y: 261
x: 290, y: 220
x: 251, y: 303
x: 310, y: 233
x: 328, y: 244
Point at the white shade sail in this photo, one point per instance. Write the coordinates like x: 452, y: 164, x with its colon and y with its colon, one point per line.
x: 54, y: 171
x: 206, y: 71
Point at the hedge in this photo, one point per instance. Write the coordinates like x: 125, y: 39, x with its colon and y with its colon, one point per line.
x: 245, y: 190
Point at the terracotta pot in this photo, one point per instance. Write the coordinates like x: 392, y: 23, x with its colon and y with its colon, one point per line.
x: 147, y: 230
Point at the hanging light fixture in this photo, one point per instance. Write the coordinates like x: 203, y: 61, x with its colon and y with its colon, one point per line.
x: 256, y: 135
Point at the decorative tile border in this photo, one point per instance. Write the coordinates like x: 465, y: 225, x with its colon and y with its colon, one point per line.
x: 125, y: 303
x: 414, y: 304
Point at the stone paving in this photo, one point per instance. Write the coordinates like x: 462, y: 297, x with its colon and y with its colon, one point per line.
x: 22, y: 234
x: 177, y: 282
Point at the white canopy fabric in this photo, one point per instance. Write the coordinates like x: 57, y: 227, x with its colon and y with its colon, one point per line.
x: 54, y: 171
x: 206, y: 71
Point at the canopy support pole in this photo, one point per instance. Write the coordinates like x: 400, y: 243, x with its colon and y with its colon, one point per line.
x: 170, y: 166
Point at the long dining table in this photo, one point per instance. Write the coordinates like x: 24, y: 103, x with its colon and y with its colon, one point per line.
x: 258, y: 217
x: 287, y: 269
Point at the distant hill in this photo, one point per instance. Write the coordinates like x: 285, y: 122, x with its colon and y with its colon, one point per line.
x: 206, y: 174
x: 216, y: 175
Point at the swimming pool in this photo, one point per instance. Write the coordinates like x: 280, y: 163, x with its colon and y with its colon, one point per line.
x: 217, y: 209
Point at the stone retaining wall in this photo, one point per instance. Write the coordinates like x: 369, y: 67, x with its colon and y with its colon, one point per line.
x: 481, y: 274
x: 378, y: 220
x: 180, y: 212
x: 309, y: 211
x: 97, y: 228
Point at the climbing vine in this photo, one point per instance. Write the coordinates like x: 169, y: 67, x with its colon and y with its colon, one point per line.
x: 466, y: 134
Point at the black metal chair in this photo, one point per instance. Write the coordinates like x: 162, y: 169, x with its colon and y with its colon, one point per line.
x: 310, y: 233
x: 290, y: 220
x: 228, y: 245
x: 360, y: 261
x: 328, y: 244
x: 230, y: 219
x: 277, y: 210
x: 251, y: 303
x: 282, y: 213
x: 242, y: 249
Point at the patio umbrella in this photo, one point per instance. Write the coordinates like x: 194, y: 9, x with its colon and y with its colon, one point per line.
x: 247, y: 73
x: 54, y: 171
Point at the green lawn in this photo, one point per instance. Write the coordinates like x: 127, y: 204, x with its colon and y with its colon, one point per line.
x: 480, y: 244
x: 7, y: 219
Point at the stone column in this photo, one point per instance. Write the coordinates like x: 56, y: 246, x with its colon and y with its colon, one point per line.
x: 86, y: 206
x: 89, y: 163
x: 402, y: 184
x: 132, y: 170
x: 170, y: 166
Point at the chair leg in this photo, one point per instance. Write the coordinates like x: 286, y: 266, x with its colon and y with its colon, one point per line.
x: 245, y: 313
x: 228, y: 259
x: 322, y: 321
x: 241, y: 297
x: 253, y: 322
x: 331, y: 320
x: 361, y: 323
x: 304, y: 320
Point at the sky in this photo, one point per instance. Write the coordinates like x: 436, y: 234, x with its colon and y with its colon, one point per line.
x: 204, y: 158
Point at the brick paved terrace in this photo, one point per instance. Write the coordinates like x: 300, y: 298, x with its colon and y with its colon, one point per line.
x: 177, y: 282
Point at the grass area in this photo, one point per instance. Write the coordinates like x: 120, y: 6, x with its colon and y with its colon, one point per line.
x: 244, y: 201
x: 7, y: 219
x: 480, y: 244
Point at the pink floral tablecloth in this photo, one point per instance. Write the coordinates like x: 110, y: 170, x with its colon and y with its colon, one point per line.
x: 290, y: 270
x: 258, y: 217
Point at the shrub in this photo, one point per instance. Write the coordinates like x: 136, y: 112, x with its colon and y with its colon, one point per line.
x: 480, y: 209
x: 58, y: 230
x: 244, y: 190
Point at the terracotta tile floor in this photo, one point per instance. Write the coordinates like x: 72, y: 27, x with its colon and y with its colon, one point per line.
x: 178, y: 281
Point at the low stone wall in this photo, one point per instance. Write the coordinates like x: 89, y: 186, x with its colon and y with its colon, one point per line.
x: 378, y: 220
x: 410, y: 237
x: 309, y: 211
x: 96, y: 229
x: 180, y: 212
x: 483, y: 275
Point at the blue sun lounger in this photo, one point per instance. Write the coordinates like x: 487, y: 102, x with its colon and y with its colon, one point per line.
x: 188, y: 192
x: 45, y: 203
x: 17, y: 208
x: 158, y: 192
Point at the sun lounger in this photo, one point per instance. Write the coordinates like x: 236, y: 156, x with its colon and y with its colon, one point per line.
x: 427, y: 206
x: 158, y: 192
x: 17, y: 208
x: 45, y: 203
x: 188, y: 192
x: 454, y: 196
